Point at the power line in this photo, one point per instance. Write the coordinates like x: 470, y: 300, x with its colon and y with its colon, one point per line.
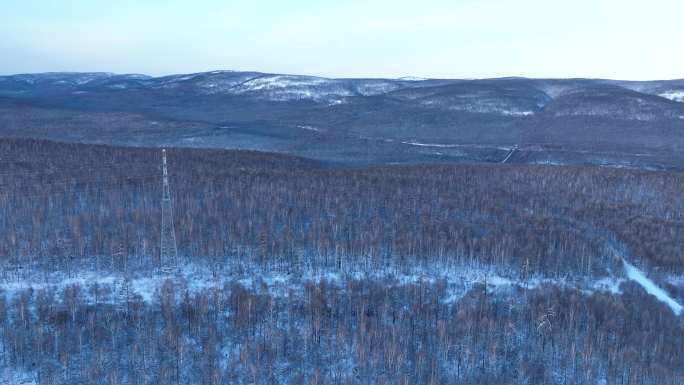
x: 168, y: 249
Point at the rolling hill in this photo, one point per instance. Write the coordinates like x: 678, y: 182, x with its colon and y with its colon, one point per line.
x: 365, y: 121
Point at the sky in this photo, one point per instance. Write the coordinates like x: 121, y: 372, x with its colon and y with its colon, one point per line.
x: 618, y: 39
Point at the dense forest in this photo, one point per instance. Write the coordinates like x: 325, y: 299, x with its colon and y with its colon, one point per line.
x: 351, y: 332
x: 71, y: 208
x: 80, y: 203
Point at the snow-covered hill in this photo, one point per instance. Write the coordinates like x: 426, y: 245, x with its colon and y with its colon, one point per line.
x: 361, y: 120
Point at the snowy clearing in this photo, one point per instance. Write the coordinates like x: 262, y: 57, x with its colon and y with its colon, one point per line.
x: 196, y: 278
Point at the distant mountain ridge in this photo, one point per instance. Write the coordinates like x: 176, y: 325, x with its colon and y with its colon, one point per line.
x: 368, y: 120
x: 300, y: 87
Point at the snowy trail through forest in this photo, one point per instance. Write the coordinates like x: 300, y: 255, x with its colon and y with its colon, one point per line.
x: 651, y: 288
x: 511, y: 152
x: 196, y: 278
x: 458, y: 281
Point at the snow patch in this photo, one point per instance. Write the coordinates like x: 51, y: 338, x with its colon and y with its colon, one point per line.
x: 496, y: 280
x: 676, y: 280
x: 608, y: 284
x: 516, y: 113
x: 310, y: 128
x: 453, y: 296
x: 674, y: 95
x: 651, y: 288
x: 280, y: 81
x: 196, y: 278
x: 374, y: 87
x: 12, y: 376
x: 485, y: 108
x: 181, y: 78
x: 548, y: 162
x: 431, y: 144
x: 293, y: 87
x: 145, y: 288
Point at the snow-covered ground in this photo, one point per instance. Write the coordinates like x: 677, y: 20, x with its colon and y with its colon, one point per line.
x: 480, y: 107
x: 549, y: 162
x: 295, y: 87
x: 279, y: 81
x: 195, y: 278
x: 310, y: 128
x: 452, y: 145
x: 11, y: 376
x: 674, y: 95
x: 608, y: 284
x: 516, y: 113
x: 431, y: 144
x: 651, y: 288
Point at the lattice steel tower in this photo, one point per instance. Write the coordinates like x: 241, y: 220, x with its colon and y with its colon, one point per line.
x: 168, y: 252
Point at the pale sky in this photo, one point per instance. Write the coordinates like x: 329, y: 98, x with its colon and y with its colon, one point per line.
x: 619, y: 39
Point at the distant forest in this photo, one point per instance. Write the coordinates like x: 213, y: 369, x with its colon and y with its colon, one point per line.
x: 70, y: 204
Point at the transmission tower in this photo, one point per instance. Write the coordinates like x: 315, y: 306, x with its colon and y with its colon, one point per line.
x: 168, y: 252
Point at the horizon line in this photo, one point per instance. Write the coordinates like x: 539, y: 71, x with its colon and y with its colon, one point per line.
x: 406, y: 77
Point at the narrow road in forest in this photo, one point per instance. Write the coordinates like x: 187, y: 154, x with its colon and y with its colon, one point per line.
x: 510, y: 153
x: 651, y: 288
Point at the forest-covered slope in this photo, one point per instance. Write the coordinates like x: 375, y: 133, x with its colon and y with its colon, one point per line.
x: 95, y: 201
x: 299, y: 271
